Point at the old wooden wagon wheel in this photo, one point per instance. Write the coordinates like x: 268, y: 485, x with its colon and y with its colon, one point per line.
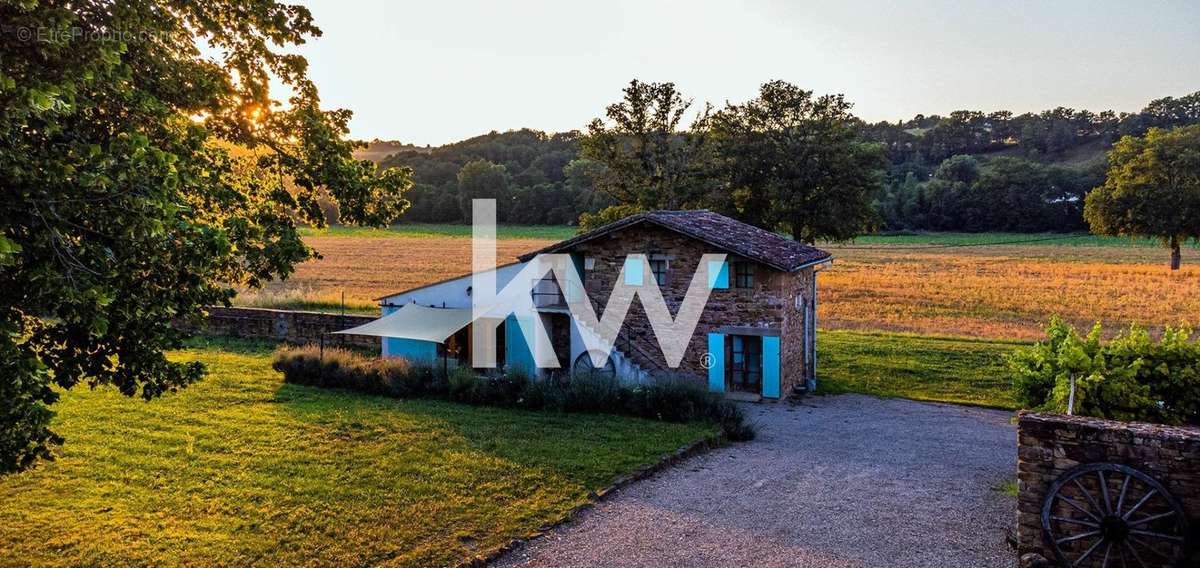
x: 1107, y: 514
x: 583, y: 366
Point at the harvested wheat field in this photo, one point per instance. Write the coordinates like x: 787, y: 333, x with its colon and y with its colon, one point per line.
x: 993, y: 291
x: 1004, y: 291
x: 366, y: 268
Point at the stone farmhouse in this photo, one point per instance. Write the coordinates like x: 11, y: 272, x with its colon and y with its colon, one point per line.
x: 756, y: 336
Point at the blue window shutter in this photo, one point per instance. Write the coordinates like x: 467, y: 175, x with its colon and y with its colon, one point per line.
x: 770, y: 358
x: 716, y: 373
x: 718, y: 274
x: 517, y: 352
x: 633, y: 271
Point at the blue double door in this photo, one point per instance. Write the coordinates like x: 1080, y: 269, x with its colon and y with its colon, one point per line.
x: 744, y: 363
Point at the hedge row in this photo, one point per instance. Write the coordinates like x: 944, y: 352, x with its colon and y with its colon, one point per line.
x: 1132, y: 377
x: 668, y: 399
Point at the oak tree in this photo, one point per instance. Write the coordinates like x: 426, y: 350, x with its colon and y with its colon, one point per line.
x: 1152, y: 189
x: 148, y: 172
x: 795, y: 162
x: 649, y: 160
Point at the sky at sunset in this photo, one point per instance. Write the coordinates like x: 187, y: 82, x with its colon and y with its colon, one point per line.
x: 439, y: 71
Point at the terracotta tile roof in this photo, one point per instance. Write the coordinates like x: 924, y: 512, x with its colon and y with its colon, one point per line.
x: 727, y: 234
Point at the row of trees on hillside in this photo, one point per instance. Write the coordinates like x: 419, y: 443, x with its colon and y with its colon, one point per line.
x: 941, y: 173
x: 792, y: 161
x: 537, y: 179
x: 927, y: 140
x: 1072, y: 142
x: 968, y: 193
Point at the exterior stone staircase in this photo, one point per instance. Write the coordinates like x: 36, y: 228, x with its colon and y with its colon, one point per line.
x: 631, y: 365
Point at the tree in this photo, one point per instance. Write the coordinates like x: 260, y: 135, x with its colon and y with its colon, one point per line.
x: 1152, y: 189
x: 795, y: 162
x: 481, y: 179
x: 649, y: 163
x: 143, y: 181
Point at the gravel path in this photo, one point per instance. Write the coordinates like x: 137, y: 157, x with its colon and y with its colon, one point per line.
x: 836, y: 481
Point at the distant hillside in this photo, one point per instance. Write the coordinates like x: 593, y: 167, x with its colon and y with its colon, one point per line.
x: 1088, y: 155
x: 377, y: 149
x: 1040, y: 164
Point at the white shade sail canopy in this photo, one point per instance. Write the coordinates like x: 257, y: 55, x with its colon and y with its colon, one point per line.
x: 413, y: 321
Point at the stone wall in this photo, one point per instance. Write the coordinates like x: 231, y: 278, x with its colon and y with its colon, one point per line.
x: 1051, y: 444
x: 763, y: 306
x: 286, y: 326
x: 797, y: 341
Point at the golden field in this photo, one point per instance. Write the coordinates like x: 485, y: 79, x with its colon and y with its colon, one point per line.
x: 1004, y: 292
x: 993, y: 291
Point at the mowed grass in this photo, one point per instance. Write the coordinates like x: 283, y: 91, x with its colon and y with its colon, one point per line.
x: 935, y: 369
x: 242, y: 469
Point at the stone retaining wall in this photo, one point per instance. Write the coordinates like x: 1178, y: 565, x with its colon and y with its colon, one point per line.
x: 1051, y: 444
x: 287, y: 326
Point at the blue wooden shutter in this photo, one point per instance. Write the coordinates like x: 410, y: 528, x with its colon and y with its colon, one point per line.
x: 633, y: 271
x: 517, y: 352
x: 770, y: 358
x: 718, y: 274
x: 716, y: 373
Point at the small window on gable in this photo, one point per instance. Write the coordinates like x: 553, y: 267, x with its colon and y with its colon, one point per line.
x: 658, y: 266
x: 743, y: 275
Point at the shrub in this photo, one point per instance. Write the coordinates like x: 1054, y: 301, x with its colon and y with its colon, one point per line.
x: 594, y: 393
x: 342, y: 368
x: 544, y: 395
x: 1130, y: 378
x: 462, y: 385
x: 504, y: 389
x: 671, y: 399
x: 678, y: 399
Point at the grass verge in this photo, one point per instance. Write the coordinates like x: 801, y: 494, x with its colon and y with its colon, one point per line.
x: 917, y: 367
x: 243, y: 469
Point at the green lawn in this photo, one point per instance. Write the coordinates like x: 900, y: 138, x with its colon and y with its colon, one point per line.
x: 938, y: 369
x: 243, y: 469
x: 428, y: 230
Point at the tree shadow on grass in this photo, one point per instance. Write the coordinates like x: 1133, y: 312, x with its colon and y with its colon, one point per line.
x: 465, y: 478
x: 585, y: 449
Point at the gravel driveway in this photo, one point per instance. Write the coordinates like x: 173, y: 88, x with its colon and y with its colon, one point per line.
x: 836, y: 481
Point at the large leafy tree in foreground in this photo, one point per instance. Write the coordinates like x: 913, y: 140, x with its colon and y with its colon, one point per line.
x: 1152, y: 189
x: 125, y: 205
x: 795, y: 162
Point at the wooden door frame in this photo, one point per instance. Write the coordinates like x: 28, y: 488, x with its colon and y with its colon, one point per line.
x: 746, y: 339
